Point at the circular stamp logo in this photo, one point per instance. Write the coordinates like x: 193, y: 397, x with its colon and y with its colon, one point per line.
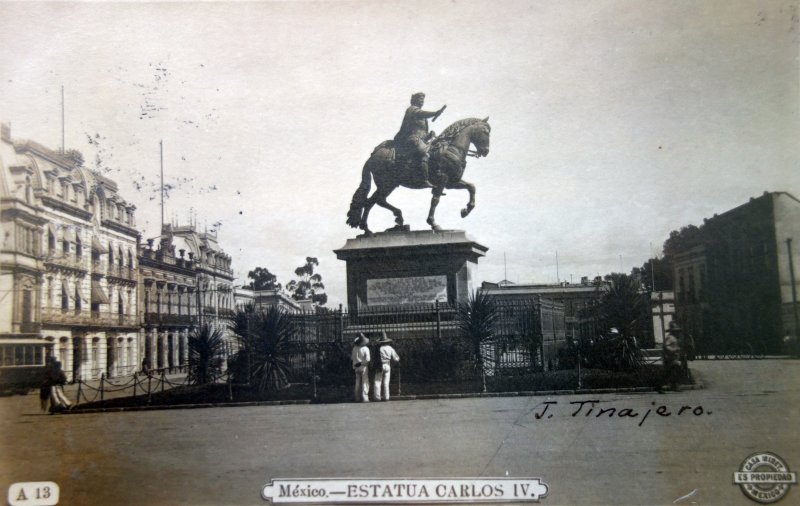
x: 764, y: 477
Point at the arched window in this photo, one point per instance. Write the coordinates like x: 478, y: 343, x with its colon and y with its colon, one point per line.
x: 77, y: 299
x: 121, y: 258
x: 51, y: 242
x: 78, y: 246
x: 130, y: 260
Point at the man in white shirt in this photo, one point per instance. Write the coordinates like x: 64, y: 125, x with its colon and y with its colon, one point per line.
x: 383, y: 374
x: 361, y: 358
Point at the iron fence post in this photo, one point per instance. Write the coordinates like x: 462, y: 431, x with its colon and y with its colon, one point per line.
x: 438, y: 321
x: 102, y: 392
x: 341, y: 324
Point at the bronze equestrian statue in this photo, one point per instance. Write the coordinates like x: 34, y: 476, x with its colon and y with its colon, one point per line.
x: 447, y: 158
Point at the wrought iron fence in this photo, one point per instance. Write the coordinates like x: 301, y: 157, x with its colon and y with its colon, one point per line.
x: 429, y: 340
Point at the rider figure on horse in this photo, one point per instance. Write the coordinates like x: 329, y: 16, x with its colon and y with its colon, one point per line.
x: 412, y: 139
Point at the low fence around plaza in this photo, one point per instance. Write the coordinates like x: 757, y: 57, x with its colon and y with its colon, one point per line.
x: 138, y: 384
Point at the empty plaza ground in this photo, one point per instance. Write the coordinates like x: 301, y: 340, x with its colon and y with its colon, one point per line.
x: 226, y: 455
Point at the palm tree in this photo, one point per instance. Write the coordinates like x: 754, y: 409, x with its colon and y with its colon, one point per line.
x: 625, y: 308
x: 205, y: 348
x: 476, y: 319
x: 264, y: 340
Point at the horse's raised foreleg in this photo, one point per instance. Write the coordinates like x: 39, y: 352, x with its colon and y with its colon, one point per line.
x: 463, y: 185
x: 437, y: 193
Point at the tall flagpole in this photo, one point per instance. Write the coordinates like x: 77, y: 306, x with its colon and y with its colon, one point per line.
x: 161, y: 144
x: 62, y: 120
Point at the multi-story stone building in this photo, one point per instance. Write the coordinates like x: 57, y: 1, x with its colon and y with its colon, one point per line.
x: 169, y: 300
x: 736, y: 285
x: 68, y: 261
x: 214, y: 277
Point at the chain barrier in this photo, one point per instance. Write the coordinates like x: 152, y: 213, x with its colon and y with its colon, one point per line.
x: 136, y: 383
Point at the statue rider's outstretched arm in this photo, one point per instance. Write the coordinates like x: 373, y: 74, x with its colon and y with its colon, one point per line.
x: 420, y: 114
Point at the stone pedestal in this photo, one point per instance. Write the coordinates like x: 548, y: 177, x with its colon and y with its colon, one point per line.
x: 402, y: 268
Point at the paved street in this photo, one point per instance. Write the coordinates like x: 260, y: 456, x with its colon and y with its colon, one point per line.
x: 225, y: 455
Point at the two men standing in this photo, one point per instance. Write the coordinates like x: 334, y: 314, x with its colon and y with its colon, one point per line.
x: 361, y: 357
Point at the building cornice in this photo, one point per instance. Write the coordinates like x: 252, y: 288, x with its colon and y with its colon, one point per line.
x: 14, y: 207
x: 121, y: 228
x: 59, y: 205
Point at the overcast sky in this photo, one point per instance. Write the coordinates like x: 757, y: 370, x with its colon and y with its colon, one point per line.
x: 612, y: 122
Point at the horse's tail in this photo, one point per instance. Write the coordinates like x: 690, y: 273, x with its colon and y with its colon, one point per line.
x: 360, y: 197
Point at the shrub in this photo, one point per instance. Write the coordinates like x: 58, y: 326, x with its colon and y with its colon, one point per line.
x: 264, y: 342
x: 205, y: 350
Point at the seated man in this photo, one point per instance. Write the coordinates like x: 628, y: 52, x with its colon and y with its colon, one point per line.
x: 412, y: 138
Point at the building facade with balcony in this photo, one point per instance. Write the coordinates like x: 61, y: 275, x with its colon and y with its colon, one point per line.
x: 69, y: 262
x: 169, y: 303
x: 214, y: 293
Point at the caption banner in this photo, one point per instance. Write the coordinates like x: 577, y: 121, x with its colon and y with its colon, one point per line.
x: 403, y: 490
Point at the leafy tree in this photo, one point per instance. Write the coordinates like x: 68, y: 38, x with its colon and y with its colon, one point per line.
x: 262, y: 280
x: 476, y: 320
x: 308, y: 284
x: 681, y: 240
x: 264, y: 341
x: 661, y: 270
x: 205, y: 352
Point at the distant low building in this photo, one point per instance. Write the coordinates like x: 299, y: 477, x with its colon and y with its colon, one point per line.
x: 574, y: 297
x: 265, y: 299
x: 552, y: 304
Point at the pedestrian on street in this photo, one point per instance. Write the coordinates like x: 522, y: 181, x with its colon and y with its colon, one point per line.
x: 57, y: 379
x: 672, y: 350
x: 44, y: 389
x: 145, y: 368
x: 383, y: 373
x: 361, y: 357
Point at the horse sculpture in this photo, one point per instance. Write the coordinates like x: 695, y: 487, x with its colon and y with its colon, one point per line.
x: 448, y: 159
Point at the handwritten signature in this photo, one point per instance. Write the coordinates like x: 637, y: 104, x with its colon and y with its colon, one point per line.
x: 590, y: 409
